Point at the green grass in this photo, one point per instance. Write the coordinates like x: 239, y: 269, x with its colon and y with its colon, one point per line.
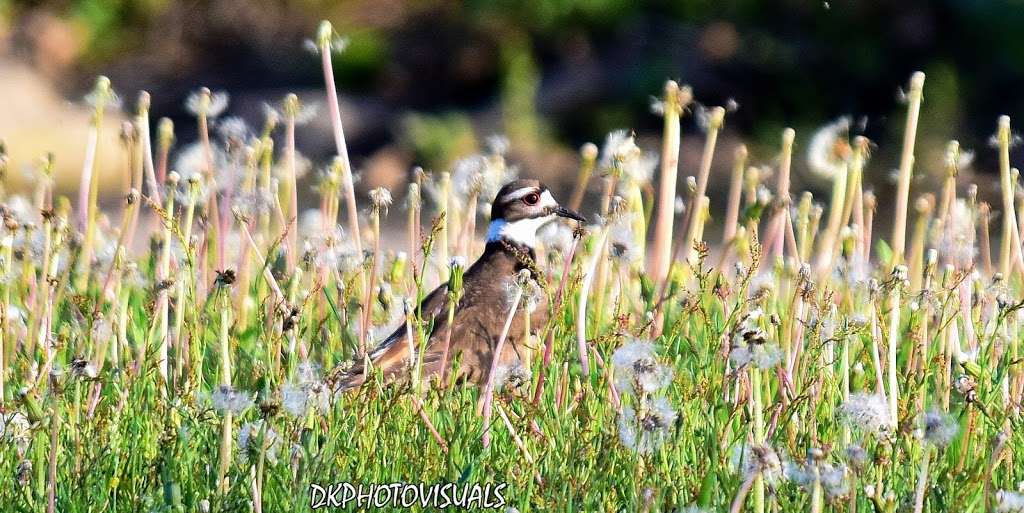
x: 782, y: 376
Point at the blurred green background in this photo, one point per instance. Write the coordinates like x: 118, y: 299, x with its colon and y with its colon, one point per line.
x: 425, y: 81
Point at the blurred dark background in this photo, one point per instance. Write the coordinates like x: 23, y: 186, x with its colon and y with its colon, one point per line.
x: 425, y: 81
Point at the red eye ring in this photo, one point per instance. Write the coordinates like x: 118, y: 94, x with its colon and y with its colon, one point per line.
x: 531, y: 199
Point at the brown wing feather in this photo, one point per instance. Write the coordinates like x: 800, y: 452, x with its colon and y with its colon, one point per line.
x: 390, y: 355
x: 481, y: 315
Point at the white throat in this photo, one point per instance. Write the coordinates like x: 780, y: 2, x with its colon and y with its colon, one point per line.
x: 523, y: 231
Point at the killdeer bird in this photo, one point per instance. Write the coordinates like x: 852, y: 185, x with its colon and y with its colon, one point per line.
x: 519, y: 210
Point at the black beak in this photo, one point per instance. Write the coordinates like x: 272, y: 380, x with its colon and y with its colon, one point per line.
x: 564, y: 212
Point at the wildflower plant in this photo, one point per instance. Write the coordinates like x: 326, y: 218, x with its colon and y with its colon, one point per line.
x: 649, y: 420
x: 181, y: 349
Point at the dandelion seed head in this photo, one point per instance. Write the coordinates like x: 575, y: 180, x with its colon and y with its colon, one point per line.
x: 958, y: 243
x: 497, y: 144
x: 83, y: 369
x: 233, y: 130
x: 640, y: 169
x: 964, y: 159
x: 282, y: 168
x: 251, y: 434
x: 834, y: 479
x: 648, y: 429
x: 254, y: 203
x: 618, y: 146
x: 708, y: 117
x: 306, y: 112
x: 511, y: 377
x: 477, y: 175
x: 191, y: 160
x: 310, y: 46
x: 293, y: 400
x: 533, y: 296
x: 637, y: 369
x: 271, y: 115
x: 332, y: 249
x: 940, y: 428
x: 869, y: 412
x: 748, y: 460
x: 381, y: 198
x: 1008, y: 501
x: 204, y: 102
x: 762, y: 356
x: 555, y: 237
x: 305, y: 395
x: 829, y: 148
x: 311, y: 221
x: 796, y: 473
x: 15, y: 427
x: 21, y: 211
x: 622, y: 247
x: 656, y: 105
x: 105, y: 98
x: 965, y: 385
x: 307, y: 372
x: 226, y: 399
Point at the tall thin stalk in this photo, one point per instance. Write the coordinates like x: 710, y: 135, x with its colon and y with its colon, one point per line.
x: 584, y: 296
x: 488, y: 394
x: 1006, y: 188
x: 325, y: 42
x: 732, y: 209
x: 674, y: 100
x: 291, y: 110
x: 588, y: 161
x: 714, y: 124
x: 102, y: 95
x: 899, y: 228
x: 163, y: 275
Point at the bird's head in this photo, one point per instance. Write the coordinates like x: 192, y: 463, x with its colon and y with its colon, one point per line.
x: 520, y: 208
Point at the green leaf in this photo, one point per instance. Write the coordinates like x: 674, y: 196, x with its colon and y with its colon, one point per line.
x: 883, y: 251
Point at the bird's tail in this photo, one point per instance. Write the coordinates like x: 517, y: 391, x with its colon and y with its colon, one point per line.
x: 349, y: 378
x: 393, y: 363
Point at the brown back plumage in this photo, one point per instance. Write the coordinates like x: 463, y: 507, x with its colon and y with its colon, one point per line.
x: 481, y: 314
x: 484, y: 306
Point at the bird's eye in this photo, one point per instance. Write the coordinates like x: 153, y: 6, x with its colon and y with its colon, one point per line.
x: 531, y: 199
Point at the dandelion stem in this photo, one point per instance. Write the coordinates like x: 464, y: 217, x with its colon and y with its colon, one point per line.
x: 588, y: 161
x: 675, y: 99
x: 51, y: 469
x: 584, y: 296
x: 163, y: 299
x: 325, y: 35
x: 291, y: 109
x: 715, y: 119
x: 495, y: 358
x: 732, y: 209
x: 1006, y: 187
x: 89, y: 189
x: 899, y: 233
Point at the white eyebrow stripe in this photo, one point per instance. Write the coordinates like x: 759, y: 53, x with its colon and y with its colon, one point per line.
x: 519, y: 193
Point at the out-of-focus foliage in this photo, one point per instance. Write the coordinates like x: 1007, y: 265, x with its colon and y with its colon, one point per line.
x: 438, y: 139
x: 553, y: 73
